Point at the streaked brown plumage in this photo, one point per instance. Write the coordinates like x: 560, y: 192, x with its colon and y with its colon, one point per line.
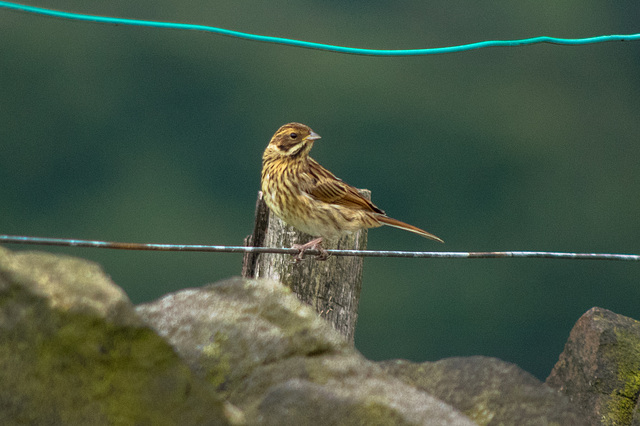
x: 309, y: 197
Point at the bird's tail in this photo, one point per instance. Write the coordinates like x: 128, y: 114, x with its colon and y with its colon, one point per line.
x: 401, y: 225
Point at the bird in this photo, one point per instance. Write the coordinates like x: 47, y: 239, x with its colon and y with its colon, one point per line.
x: 312, y: 199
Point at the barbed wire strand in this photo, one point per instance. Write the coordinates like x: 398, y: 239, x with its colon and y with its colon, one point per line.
x: 311, y: 45
x: 14, y: 239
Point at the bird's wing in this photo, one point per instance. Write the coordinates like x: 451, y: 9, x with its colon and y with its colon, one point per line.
x: 326, y: 187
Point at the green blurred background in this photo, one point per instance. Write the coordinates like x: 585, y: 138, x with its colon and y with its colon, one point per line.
x: 145, y: 135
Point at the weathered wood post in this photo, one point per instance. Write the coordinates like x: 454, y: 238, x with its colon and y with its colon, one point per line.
x: 331, y: 287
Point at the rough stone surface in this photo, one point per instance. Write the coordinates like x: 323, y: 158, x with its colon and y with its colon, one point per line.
x: 489, y: 391
x: 279, y: 363
x: 599, y: 368
x: 73, y: 351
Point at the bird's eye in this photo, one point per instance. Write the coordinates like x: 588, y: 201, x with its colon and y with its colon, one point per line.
x: 293, y: 135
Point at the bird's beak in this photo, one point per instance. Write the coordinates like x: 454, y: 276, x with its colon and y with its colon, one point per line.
x: 313, y: 136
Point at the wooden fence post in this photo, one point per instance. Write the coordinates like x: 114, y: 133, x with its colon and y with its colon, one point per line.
x: 331, y: 287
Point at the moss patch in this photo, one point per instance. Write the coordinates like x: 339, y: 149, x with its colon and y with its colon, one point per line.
x: 622, y: 400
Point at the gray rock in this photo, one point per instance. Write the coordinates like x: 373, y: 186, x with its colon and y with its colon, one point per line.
x: 226, y: 329
x: 489, y: 391
x: 599, y: 368
x: 73, y: 351
x: 279, y: 363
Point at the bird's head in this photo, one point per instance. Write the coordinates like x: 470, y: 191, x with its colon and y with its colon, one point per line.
x: 292, y: 140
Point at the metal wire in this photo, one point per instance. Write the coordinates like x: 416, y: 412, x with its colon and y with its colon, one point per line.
x: 311, y: 45
x: 14, y: 239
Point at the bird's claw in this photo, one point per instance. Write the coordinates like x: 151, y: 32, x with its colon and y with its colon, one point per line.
x: 311, y: 245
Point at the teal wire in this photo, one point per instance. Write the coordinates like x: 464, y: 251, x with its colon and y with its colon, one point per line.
x: 317, y: 46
